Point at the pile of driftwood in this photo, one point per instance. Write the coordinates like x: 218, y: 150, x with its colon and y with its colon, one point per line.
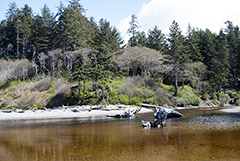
x: 94, y: 107
x: 161, y: 115
x: 128, y: 112
x: 75, y: 108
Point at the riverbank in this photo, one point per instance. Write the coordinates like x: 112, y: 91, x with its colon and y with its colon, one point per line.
x: 63, y: 113
x: 235, y: 110
x: 87, y: 112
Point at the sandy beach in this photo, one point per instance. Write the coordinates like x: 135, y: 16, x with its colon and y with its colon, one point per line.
x: 62, y: 113
x: 232, y: 110
x: 59, y: 113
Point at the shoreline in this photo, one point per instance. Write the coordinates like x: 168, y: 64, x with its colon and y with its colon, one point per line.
x: 62, y: 114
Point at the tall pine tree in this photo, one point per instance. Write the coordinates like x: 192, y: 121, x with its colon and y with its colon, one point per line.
x: 156, y: 39
x: 232, y: 46
x: 132, y: 31
x: 192, y: 44
x: 175, y: 54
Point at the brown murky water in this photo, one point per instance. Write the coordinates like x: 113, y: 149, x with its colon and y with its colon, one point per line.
x: 199, y: 135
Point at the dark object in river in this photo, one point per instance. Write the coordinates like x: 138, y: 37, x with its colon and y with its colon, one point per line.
x: 161, y: 115
x: 234, y: 100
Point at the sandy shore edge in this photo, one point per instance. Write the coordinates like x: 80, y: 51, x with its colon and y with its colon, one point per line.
x: 59, y: 113
x: 63, y: 114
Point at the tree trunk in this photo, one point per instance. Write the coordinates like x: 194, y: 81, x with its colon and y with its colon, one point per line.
x: 84, y: 82
x: 18, y: 43
x: 23, y: 48
x: 175, y: 83
x: 79, y: 98
x: 175, y: 78
x: 7, y: 50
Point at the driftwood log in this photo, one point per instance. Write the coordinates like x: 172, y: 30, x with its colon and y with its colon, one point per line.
x: 160, y: 117
x: 129, y: 112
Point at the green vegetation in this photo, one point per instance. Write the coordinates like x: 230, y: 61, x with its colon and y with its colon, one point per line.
x: 80, y: 61
x: 121, y: 91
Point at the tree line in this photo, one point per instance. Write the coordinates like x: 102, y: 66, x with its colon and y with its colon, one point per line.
x: 218, y: 53
x: 69, y: 43
x: 24, y: 34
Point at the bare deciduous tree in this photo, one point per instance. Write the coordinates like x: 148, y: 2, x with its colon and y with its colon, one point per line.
x: 140, y: 61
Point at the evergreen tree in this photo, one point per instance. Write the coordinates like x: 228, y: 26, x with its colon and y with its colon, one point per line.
x: 81, y: 74
x: 156, y: 39
x: 237, y: 33
x: 19, y: 32
x: 26, y: 17
x: 3, y: 36
x: 133, y: 30
x: 176, y: 55
x: 44, y: 31
x: 141, y: 39
x: 48, y: 28
x: 232, y: 46
x: 71, y: 25
x: 93, y: 30
x: 208, y: 49
x: 192, y: 44
x: 107, y: 36
x: 11, y: 16
x: 100, y: 68
x: 220, y: 65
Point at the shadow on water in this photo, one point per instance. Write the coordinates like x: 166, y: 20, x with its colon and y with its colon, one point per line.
x: 202, y: 134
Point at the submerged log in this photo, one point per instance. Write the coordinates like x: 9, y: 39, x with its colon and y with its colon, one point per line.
x: 161, y: 115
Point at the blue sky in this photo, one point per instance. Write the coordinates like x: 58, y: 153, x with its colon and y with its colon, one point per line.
x: 112, y: 10
x: 202, y: 14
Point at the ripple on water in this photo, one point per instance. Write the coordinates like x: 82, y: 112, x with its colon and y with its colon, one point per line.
x: 213, y: 122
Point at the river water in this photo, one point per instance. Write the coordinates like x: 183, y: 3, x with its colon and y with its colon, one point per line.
x: 202, y: 134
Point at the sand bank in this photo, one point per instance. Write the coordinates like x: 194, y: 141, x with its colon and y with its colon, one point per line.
x: 61, y: 113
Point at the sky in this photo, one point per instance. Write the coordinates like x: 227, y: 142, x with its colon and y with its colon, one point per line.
x: 202, y: 14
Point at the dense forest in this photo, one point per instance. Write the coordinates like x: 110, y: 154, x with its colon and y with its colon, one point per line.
x: 92, y: 56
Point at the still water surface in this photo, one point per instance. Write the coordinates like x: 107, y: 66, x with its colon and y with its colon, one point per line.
x: 200, y: 135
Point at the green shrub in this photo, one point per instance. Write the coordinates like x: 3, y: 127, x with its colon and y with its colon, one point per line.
x: 3, y: 108
x: 117, y: 83
x: 205, y: 96
x: 51, y: 90
x: 233, y: 94
x: 149, y: 100
x: 143, y: 93
x: 214, y: 96
x: 192, y: 98
x: 215, y: 102
x: 36, y: 106
x: 135, y: 101
x: 168, y: 87
x: 113, y: 93
x: 237, y: 102
x: 223, y: 98
x: 123, y: 99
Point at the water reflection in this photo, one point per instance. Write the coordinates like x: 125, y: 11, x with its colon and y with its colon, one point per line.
x: 199, y: 135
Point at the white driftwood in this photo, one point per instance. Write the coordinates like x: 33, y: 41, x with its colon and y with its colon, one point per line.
x: 161, y: 115
x: 129, y: 112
